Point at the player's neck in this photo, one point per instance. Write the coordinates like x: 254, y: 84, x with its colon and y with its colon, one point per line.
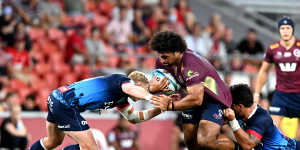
x: 288, y: 44
x: 250, y: 111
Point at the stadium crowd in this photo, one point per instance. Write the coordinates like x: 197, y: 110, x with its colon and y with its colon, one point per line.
x: 48, y: 43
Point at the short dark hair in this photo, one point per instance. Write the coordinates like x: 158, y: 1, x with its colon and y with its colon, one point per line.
x: 31, y: 96
x: 241, y: 94
x: 167, y: 41
x: 252, y: 30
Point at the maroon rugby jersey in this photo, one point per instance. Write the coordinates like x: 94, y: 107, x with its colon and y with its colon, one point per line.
x: 286, y: 66
x: 194, y: 69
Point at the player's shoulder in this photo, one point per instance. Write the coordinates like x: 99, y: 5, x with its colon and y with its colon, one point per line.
x: 274, y: 46
x: 262, y: 116
x: 298, y: 43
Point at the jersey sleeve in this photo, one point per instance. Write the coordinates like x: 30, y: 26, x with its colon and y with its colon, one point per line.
x: 121, y: 79
x: 193, y: 73
x: 258, y: 126
x: 268, y: 56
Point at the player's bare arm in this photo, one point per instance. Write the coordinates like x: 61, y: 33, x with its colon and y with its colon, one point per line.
x: 136, y: 91
x: 246, y: 140
x: 193, y: 99
x: 139, y: 116
x: 261, y: 79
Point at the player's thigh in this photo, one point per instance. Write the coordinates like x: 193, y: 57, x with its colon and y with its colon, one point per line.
x: 277, y: 120
x: 208, y: 131
x: 54, y: 135
x: 84, y: 138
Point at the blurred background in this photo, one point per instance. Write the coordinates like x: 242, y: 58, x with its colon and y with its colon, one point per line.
x: 48, y: 43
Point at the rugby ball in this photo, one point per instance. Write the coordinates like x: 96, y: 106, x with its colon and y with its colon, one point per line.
x: 172, y: 86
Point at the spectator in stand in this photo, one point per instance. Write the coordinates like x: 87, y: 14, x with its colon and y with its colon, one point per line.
x: 122, y: 137
x: 129, y: 13
x: 174, y: 25
x: 75, y: 49
x: 74, y: 7
x: 218, y: 52
x: 229, y: 43
x: 5, y: 60
x: 20, y: 64
x: 195, y: 41
x: 141, y: 34
x: 96, y: 48
x: 189, y: 22
x: 156, y: 16
x: 51, y: 13
x: 20, y: 33
x: 250, y: 45
x: 164, y: 5
x: 13, y: 132
x: 215, y: 21
x: 29, y: 103
x: 28, y: 10
x: 182, y: 10
x: 7, y: 25
x: 119, y: 30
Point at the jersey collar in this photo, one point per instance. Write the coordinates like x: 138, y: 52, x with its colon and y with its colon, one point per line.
x: 253, y: 111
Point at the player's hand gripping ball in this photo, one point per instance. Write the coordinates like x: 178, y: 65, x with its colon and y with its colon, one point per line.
x: 172, y: 87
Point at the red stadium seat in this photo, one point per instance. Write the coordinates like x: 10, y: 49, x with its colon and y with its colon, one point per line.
x: 52, y: 80
x: 69, y: 78
x: 61, y: 68
x: 42, y: 98
x: 36, y: 33
x: 16, y: 84
x: 55, y: 34
x: 100, y: 21
x: 23, y: 93
x: 42, y: 68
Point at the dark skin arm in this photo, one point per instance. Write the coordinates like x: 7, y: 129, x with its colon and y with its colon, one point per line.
x: 246, y: 140
x: 193, y: 99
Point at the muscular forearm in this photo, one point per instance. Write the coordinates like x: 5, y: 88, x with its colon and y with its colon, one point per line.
x: 188, y: 102
x: 243, y: 139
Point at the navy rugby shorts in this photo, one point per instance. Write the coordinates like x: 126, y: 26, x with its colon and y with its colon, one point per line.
x: 285, y: 104
x: 210, y: 110
x: 67, y: 118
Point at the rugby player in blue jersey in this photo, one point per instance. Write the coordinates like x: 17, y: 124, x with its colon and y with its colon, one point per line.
x: 258, y: 130
x: 65, y: 104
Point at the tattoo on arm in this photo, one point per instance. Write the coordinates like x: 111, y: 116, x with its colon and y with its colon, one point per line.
x: 254, y: 139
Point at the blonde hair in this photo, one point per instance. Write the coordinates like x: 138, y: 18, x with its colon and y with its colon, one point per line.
x: 138, y: 76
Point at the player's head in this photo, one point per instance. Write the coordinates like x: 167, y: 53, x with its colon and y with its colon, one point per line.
x: 241, y: 98
x: 286, y: 28
x: 139, y: 78
x: 169, y: 46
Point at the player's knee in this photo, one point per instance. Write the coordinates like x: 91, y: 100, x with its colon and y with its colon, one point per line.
x: 52, y: 143
x: 207, y: 140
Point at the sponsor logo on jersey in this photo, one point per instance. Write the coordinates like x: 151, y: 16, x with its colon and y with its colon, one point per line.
x: 287, y: 67
x: 84, y: 122
x: 63, y: 126
x: 296, y: 53
x: 287, y: 54
x: 218, y: 115
x: 63, y: 89
x: 278, y: 55
x: 273, y: 46
x: 191, y: 74
x: 187, y: 116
